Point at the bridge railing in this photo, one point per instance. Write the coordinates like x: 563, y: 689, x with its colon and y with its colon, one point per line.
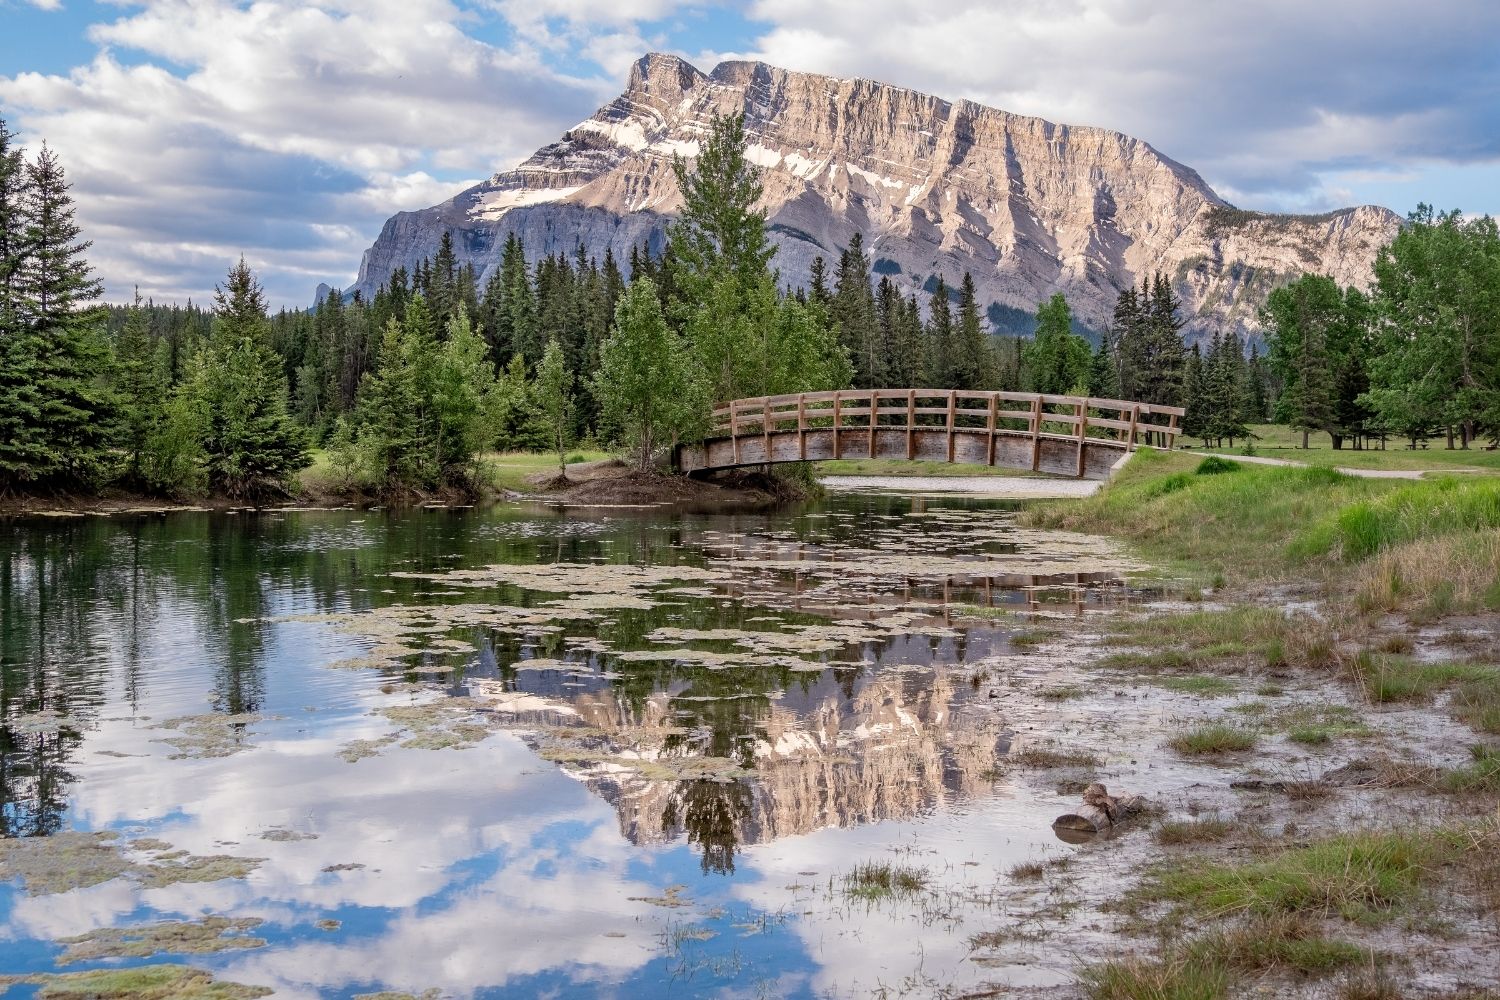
x: 1122, y: 423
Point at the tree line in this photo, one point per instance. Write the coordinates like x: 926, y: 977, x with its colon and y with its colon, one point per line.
x: 405, y: 391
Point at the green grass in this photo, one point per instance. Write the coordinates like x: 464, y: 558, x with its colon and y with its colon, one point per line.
x: 880, y: 880
x: 508, y: 470
x: 501, y: 470
x: 1041, y: 757
x: 1213, y: 738
x: 1404, y: 514
x: 1482, y: 774
x: 1390, y: 677
x: 1278, y: 441
x: 1200, y: 684
x: 1155, y: 979
x: 1264, y: 522
x: 1276, y: 942
x: 1198, y: 638
x: 1360, y: 876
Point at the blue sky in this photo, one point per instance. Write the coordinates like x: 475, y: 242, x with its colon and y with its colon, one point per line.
x: 198, y: 130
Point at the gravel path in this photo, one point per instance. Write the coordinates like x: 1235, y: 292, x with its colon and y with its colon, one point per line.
x: 1014, y: 487
x: 1362, y: 473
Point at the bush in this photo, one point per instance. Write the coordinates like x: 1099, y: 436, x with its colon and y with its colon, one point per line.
x: 1213, y: 465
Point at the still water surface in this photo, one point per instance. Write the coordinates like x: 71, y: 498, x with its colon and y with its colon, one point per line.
x: 520, y: 751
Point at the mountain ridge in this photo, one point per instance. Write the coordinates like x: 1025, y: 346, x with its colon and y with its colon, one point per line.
x: 1027, y: 206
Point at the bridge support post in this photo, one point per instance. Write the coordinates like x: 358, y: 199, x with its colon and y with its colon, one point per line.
x: 911, y: 423
x: 1083, y: 426
x: 952, y: 404
x: 802, y: 425
x: 838, y: 418
x: 994, y: 424
x: 1036, y: 433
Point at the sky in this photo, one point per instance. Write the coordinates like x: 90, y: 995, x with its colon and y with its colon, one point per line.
x: 197, y: 131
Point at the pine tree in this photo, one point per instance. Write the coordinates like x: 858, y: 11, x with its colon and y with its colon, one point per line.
x: 57, y: 411
x: 854, y: 314
x: 234, y: 399
x: 140, y: 384
x: 386, y: 436
x: 460, y: 383
x: 12, y: 226
x: 970, y: 355
x: 1298, y: 318
x: 1195, y: 397
x: 940, y: 338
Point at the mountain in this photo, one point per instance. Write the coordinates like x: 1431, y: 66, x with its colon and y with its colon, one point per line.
x: 1027, y: 206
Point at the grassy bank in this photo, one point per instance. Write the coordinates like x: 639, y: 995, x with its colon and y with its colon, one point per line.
x: 1398, y: 543
x: 1279, y: 441
x: 501, y: 470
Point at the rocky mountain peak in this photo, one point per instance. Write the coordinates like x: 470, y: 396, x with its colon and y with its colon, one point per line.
x: 663, y: 76
x: 937, y: 188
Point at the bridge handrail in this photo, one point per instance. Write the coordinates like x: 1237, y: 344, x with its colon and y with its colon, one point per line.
x: 764, y: 415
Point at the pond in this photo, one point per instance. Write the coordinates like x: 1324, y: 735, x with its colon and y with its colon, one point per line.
x: 521, y: 750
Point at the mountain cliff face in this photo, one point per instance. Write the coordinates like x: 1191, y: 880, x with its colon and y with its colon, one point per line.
x: 1028, y: 207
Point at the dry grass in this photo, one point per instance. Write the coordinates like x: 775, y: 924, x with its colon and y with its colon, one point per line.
x: 1431, y: 577
x: 1207, y: 830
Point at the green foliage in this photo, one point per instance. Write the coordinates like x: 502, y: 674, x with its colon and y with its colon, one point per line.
x: 58, y: 413
x: 1150, y: 355
x: 554, y: 395
x: 1056, y: 360
x: 1437, y: 302
x: 649, y: 389
x: 229, y: 426
x: 1213, y: 465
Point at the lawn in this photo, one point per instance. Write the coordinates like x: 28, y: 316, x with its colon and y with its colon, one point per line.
x: 1280, y: 441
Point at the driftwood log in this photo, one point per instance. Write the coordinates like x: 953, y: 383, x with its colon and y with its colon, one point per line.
x: 1100, y: 811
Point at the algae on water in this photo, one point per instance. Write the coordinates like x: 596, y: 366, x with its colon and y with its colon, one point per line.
x: 197, y: 937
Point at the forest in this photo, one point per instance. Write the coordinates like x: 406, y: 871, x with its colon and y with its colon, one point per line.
x: 406, y: 392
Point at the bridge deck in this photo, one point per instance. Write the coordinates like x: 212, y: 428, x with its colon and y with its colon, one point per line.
x: 1063, y: 435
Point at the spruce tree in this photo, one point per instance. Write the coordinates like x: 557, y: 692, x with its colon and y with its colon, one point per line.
x: 970, y: 354
x: 58, y: 414
x: 940, y: 338
x: 235, y: 396
x: 854, y: 314
x: 141, y: 386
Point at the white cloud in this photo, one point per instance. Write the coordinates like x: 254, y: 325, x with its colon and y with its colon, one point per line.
x: 283, y: 130
x: 46, y: 4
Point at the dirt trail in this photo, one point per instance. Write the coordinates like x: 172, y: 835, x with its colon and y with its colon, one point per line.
x: 990, y: 486
x: 1362, y: 473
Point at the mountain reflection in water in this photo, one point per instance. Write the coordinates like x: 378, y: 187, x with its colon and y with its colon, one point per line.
x: 397, y: 712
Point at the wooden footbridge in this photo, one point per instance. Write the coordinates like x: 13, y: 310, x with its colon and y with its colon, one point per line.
x: 1063, y: 435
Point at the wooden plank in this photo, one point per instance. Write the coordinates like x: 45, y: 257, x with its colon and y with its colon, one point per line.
x: 994, y: 426
x: 1083, y: 426
x: 802, y: 426
x: 952, y: 399
x: 1036, y: 433
x: 837, y: 418
x: 911, y: 410
x: 1135, y: 417
x: 765, y: 429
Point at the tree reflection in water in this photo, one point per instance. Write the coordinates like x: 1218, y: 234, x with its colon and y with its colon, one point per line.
x: 711, y: 813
